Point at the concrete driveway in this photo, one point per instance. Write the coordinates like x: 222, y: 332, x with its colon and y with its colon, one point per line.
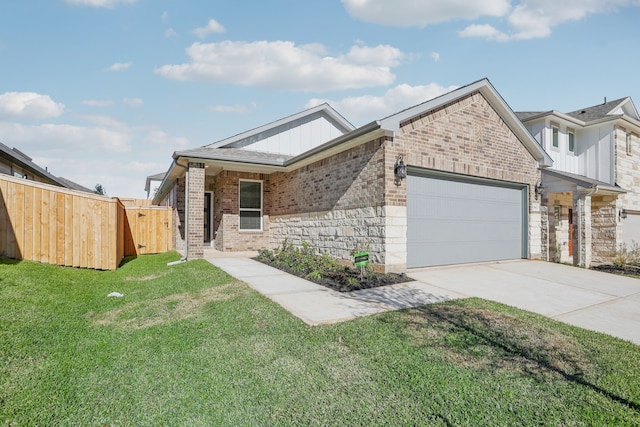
x: 592, y: 300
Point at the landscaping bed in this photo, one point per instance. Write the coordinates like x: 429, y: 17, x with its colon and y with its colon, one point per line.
x: 623, y: 270
x: 322, y: 269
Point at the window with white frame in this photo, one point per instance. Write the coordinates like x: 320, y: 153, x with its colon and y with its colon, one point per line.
x: 555, y: 137
x: 571, y: 138
x: 628, y: 144
x: 250, y: 205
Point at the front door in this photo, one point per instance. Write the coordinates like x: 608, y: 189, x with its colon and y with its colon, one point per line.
x: 570, y: 232
x: 207, y: 217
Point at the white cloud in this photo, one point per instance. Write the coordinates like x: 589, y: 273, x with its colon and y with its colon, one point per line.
x: 233, y: 109
x: 120, y: 66
x: 170, y: 33
x: 283, y: 65
x: 435, y: 56
x: 29, y: 105
x: 212, y: 27
x: 164, y: 17
x: 70, y: 139
x: 97, y: 103
x: 484, y: 31
x: 132, y: 102
x: 108, y: 4
x: 158, y: 138
x: 100, y: 150
x: 525, y: 19
x: 407, y: 13
x: 367, y: 108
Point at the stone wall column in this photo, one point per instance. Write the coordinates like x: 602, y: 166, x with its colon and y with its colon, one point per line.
x: 582, y: 230
x: 195, y: 207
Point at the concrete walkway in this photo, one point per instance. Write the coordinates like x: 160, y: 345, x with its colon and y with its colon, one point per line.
x: 598, y: 301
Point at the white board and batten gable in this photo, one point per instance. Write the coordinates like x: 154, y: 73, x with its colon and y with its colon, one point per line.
x: 291, y: 135
x: 581, y: 142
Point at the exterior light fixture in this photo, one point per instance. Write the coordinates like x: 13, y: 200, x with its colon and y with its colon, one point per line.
x: 399, y: 170
x: 623, y: 213
x: 539, y: 189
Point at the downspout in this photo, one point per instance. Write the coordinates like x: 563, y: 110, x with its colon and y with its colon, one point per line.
x: 186, y: 215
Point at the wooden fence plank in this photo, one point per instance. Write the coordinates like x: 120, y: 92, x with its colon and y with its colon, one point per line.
x: 54, y: 225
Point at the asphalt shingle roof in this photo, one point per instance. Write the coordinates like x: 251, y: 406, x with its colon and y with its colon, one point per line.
x: 595, y: 112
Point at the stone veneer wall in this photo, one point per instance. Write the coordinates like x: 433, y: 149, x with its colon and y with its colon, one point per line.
x: 604, y: 222
x: 336, y: 204
x: 467, y: 137
x: 627, y: 176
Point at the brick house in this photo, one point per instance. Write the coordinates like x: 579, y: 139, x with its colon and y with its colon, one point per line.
x: 592, y: 192
x: 468, y: 194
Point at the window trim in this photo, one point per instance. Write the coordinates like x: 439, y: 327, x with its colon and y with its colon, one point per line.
x: 570, y: 149
x: 628, y: 144
x: 240, y: 209
x: 555, y: 142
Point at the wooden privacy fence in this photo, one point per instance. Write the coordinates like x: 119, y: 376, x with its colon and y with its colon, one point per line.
x: 149, y: 230
x: 53, y: 225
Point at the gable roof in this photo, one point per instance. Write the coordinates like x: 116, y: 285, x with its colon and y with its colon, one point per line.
x: 254, y: 161
x: 74, y: 185
x: 492, y: 96
x: 622, y: 108
x: 597, y: 112
x: 278, y: 126
x: 16, y: 156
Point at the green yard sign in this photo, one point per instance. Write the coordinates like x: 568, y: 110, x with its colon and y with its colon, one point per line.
x: 361, y: 259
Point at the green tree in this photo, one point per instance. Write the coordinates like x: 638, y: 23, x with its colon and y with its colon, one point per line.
x: 99, y: 189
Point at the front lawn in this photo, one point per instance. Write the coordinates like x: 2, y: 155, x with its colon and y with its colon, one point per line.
x: 189, y: 345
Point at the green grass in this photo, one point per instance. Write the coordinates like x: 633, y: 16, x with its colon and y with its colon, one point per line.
x: 189, y: 345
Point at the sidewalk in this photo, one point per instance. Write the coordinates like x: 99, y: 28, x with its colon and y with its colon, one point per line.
x: 317, y: 305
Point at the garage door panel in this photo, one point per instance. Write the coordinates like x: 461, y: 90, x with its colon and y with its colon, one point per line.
x: 631, y: 229
x: 453, y: 222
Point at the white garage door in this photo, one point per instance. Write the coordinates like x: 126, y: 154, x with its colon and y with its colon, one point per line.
x: 631, y: 229
x: 453, y: 220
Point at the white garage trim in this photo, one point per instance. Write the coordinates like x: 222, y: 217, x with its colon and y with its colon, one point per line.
x: 454, y: 219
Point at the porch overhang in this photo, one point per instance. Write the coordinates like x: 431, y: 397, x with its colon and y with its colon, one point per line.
x: 564, y: 182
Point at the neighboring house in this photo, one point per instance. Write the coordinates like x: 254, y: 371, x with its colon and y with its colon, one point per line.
x: 468, y: 195
x: 592, y: 192
x: 15, y: 163
x: 156, y: 180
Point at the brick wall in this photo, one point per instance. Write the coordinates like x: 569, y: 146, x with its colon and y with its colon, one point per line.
x: 195, y: 225
x: 336, y: 204
x: 228, y: 236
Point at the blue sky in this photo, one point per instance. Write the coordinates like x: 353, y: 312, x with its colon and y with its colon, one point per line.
x: 104, y: 91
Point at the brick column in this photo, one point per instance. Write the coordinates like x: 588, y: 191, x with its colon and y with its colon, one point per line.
x: 195, y: 208
x: 582, y: 230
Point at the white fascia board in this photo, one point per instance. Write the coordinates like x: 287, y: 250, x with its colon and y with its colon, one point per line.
x: 326, y: 108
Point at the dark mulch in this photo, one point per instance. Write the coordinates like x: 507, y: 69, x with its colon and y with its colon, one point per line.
x: 342, y: 281
x: 626, y: 270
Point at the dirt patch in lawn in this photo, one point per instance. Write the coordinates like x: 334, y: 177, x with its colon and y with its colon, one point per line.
x: 147, y: 313
x: 487, y: 339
